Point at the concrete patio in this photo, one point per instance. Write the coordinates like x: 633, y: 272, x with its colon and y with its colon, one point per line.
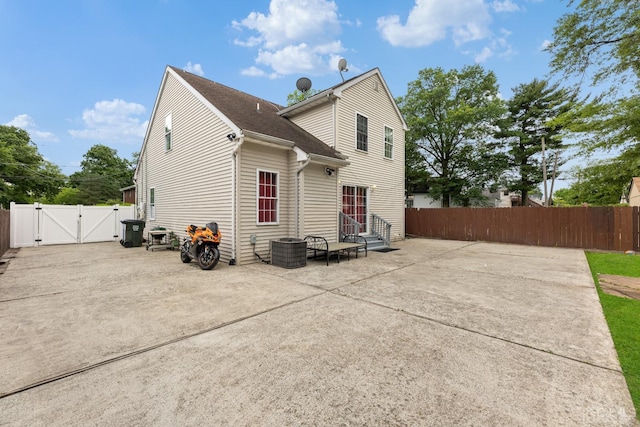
x: 435, y: 333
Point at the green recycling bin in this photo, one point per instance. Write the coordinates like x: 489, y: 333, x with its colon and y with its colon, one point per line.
x: 132, y: 230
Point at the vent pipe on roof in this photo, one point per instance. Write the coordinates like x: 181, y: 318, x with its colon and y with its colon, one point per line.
x: 257, y: 106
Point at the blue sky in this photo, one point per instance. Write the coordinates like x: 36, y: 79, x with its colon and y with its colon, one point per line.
x: 75, y: 73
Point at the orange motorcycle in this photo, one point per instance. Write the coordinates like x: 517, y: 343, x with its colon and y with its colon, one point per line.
x: 202, y: 245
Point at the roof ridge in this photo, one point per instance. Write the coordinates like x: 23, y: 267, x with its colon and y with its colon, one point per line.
x: 240, y: 110
x: 275, y: 105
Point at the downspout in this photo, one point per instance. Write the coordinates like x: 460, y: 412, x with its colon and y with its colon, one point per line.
x: 335, y: 147
x: 297, y: 196
x: 234, y: 169
x: 335, y: 130
x: 146, y: 186
x: 135, y: 202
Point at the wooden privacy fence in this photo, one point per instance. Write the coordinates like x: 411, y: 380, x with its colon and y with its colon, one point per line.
x: 606, y: 228
x: 4, y: 230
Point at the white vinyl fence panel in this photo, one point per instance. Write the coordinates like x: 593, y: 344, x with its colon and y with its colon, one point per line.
x: 38, y: 224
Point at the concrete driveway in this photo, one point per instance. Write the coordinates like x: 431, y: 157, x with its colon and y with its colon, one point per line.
x: 435, y: 333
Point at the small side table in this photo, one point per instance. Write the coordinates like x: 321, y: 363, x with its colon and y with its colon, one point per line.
x: 157, y: 239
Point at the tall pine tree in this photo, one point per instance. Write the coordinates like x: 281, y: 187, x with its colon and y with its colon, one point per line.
x: 533, y: 115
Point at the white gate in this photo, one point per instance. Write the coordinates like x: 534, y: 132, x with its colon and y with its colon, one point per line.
x: 38, y: 224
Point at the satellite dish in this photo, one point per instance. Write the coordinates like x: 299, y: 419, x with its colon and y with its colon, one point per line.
x: 303, y: 84
x: 342, y: 66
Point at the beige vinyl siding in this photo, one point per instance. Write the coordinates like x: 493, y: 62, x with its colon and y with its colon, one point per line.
x: 318, y: 122
x: 254, y: 157
x: 384, y: 177
x: 634, y: 193
x: 320, y: 212
x: 193, y: 180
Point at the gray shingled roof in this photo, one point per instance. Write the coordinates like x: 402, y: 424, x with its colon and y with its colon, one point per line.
x: 241, y: 109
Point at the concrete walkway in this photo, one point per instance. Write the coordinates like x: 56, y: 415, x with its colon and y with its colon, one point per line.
x: 436, y: 333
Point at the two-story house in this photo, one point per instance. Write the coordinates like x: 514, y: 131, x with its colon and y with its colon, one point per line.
x: 329, y: 165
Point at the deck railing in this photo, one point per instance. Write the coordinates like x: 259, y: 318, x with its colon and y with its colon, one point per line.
x: 381, y: 228
x: 348, y: 226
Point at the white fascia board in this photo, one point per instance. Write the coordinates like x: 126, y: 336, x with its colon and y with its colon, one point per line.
x: 153, y: 114
x: 261, y: 138
x: 205, y: 102
x: 331, y: 161
x: 312, y: 101
x: 301, y: 155
x: 169, y: 70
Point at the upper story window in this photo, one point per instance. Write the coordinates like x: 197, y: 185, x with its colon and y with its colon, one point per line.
x: 167, y: 132
x: 362, y: 133
x: 388, y: 142
x: 267, y: 212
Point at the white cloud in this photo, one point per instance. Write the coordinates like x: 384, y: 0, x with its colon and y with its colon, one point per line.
x: 194, y: 68
x: 356, y: 23
x: 545, y: 44
x: 22, y: 121
x: 505, y: 6
x: 113, y: 121
x: 484, y: 54
x: 295, y: 36
x: 291, y: 21
x: 302, y: 58
x: 431, y: 20
x: 26, y: 122
x: 250, y: 42
x: 253, y: 71
x: 498, y: 46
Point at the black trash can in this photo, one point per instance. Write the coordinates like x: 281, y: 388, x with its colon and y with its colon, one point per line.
x: 132, y: 230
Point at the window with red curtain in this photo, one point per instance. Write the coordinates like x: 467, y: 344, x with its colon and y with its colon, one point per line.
x: 354, y: 204
x: 267, y: 197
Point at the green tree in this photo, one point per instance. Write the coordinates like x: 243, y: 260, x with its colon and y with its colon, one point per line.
x: 603, y: 182
x: 602, y: 38
x: 450, y: 117
x: 605, y: 125
x: 416, y: 175
x: 103, y: 174
x: 67, y: 196
x: 298, y: 96
x: 598, y: 36
x: 25, y: 176
x: 533, y: 114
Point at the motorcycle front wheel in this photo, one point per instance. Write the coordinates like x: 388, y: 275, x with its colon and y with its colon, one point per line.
x: 184, y: 252
x: 208, y: 257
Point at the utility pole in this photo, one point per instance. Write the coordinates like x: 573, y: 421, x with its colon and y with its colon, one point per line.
x: 553, y: 176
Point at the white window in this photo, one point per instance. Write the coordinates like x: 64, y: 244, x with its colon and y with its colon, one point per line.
x: 167, y: 132
x: 152, y: 203
x: 362, y: 132
x: 267, y: 195
x: 388, y: 142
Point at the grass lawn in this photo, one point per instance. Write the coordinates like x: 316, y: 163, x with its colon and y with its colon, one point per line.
x: 622, y: 314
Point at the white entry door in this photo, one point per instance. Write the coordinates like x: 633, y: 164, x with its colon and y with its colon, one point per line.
x: 354, y: 205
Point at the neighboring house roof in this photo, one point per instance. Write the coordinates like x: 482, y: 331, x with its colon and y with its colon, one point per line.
x: 256, y: 115
x: 336, y: 91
